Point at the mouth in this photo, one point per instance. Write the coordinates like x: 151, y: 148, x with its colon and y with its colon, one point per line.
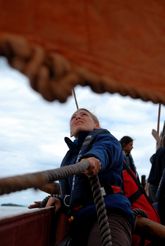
x: 79, y: 122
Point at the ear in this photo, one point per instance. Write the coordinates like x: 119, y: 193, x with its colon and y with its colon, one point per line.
x: 97, y: 125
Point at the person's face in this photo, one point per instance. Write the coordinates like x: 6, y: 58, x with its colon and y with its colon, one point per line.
x: 128, y: 147
x: 81, y: 120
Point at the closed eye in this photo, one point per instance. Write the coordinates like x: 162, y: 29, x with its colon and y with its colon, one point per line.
x: 83, y: 114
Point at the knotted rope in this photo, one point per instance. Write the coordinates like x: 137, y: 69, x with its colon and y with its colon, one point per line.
x: 35, y: 180
x: 49, y: 73
x: 54, y: 76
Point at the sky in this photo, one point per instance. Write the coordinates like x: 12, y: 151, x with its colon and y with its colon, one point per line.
x: 32, y: 130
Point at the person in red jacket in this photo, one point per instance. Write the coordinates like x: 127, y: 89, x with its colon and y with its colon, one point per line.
x: 134, y: 190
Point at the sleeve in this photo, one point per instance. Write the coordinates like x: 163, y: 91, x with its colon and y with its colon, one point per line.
x: 107, y: 149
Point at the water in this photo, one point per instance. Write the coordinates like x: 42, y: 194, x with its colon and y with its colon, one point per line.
x: 7, y: 211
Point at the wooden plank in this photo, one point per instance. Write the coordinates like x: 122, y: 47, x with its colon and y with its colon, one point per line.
x: 31, y: 228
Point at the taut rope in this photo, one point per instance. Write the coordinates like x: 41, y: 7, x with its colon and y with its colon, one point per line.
x: 158, y: 126
x: 158, y: 121
x: 75, y: 98
x: 35, y: 180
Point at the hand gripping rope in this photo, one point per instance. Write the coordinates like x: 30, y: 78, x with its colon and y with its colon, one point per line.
x: 35, y: 180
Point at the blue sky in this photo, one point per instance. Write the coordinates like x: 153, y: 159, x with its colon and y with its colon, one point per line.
x: 32, y: 130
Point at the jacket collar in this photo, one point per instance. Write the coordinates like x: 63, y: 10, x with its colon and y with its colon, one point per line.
x: 78, y: 141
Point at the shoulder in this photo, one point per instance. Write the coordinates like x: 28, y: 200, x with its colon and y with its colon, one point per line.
x: 103, y: 135
x: 103, y: 132
x: 100, y: 131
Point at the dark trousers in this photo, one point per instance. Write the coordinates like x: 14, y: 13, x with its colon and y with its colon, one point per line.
x: 89, y: 235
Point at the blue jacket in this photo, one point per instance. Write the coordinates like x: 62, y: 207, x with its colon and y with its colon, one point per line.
x: 107, y: 149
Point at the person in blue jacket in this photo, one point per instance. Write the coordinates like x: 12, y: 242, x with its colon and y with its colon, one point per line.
x: 104, y: 155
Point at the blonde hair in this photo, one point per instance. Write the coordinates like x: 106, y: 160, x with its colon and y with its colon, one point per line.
x: 94, y: 117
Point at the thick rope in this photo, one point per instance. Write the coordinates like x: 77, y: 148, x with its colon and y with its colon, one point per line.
x: 54, y: 77
x: 35, y: 180
x: 38, y: 179
x: 104, y: 228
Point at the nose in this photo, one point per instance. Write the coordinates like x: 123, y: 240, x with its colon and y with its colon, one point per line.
x: 78, y: 116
